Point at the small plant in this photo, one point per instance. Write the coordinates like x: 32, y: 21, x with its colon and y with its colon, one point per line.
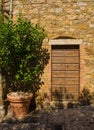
x: 70, y: 98
x: 85, y: 97
x: 43, y: 102
x: 58, y: 97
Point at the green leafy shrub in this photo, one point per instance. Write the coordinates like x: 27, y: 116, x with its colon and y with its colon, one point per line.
x: 22, y: 57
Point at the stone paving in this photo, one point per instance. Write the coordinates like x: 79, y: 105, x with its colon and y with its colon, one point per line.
x: 81, y: 118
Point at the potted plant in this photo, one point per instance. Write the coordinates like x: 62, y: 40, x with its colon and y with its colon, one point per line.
x: 22, y: 61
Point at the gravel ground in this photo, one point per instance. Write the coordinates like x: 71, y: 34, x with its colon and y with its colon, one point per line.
x: 81, y: 118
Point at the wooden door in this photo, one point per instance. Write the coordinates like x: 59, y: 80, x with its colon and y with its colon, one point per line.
x: 65, y: 69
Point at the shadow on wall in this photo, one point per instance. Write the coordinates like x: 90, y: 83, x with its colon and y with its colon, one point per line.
x: 64, y: 37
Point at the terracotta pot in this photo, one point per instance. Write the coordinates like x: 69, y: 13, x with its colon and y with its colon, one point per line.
x: 19, y: 104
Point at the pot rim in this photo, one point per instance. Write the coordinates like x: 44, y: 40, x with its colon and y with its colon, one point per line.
x: 19, y: 98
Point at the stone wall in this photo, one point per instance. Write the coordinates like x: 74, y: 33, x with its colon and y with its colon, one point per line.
x: 70, y: 18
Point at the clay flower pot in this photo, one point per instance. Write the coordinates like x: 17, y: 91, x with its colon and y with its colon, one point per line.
x: 19, y: 103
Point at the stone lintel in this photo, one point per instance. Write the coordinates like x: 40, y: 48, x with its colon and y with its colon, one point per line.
x: 65, y: 42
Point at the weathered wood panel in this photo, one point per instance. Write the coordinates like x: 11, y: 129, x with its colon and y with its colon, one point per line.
x: 72, y: 53
x: 65, y: 60
x: 58, y: 73
x: 65, y: 66
x: 65, y: 53
x: 65, y: 74
x: 58, y: 67
x: 58, y: 53
x: 71, y: 81
x: 72, y: 66
x: 65, y: 69
x: 65, y: 89
x: 58, y: 81
x: 65, y: 81
x: 72, y: 60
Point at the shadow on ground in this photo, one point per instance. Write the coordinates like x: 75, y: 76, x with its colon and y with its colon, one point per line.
x: 81, y: 118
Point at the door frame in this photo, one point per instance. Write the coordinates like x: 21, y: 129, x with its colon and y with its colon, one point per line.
x: 65, y: 42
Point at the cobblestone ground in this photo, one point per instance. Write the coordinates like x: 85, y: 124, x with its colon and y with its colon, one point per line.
x: 81, y: 118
